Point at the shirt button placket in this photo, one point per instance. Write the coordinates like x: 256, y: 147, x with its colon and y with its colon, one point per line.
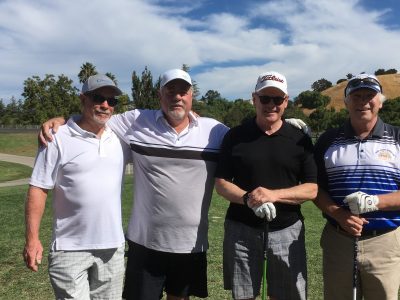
x: 362, y: 154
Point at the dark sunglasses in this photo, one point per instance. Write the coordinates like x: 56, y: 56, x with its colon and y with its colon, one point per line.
x: 278, y: 100
x: 98, y: 99
x: 367, y: 81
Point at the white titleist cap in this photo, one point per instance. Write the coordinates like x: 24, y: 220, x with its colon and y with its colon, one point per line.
x: 271, y: 79
x: 175, y: 74
x: 95, y: 82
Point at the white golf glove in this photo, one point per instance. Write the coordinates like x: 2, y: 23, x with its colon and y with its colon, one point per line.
x: 360, y: 202
x: 300, y: 125
x: 265, y: 210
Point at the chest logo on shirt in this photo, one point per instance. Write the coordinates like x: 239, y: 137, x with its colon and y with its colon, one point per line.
x: 385, y: 155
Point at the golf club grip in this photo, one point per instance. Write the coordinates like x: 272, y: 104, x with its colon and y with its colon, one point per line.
x: 355, y: 268
x: 264, y: 281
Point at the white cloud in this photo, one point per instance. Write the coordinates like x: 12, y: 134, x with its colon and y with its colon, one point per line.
x: 306, y: 40
x: 327, y: 39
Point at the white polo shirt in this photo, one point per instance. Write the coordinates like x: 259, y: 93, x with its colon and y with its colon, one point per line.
x: 174, y: 179
x: 85, y: 174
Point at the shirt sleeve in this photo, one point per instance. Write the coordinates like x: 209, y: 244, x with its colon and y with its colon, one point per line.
x: 122, y: 123
x: 321, y: 147
x: 47, y: 163
x: 224, y: 167
x: 309, y: 166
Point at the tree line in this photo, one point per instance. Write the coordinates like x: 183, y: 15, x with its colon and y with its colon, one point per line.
x: 44, y: 98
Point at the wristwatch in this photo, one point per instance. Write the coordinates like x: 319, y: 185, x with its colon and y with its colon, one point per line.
x: 245, y: 198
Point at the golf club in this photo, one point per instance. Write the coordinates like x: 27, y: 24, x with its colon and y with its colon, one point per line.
x: 264, y: 279
x: 355, y: 268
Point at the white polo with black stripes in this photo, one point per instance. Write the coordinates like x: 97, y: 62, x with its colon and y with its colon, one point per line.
x: 173, y: 179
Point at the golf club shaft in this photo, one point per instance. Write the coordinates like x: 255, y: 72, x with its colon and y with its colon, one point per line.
x: 265, y: 250
x: 355, y: 268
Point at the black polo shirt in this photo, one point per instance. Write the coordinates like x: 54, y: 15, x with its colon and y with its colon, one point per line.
x: 250, y: 158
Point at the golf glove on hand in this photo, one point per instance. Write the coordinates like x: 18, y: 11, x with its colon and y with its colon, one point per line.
x: 265, y: 210
x: 300, y: 125
x: 360, y: 202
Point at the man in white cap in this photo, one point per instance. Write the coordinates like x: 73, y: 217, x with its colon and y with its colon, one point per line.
x: 359, y: 179
x: 84, y: 167
x: 266, y: 170
x: 175, y: 156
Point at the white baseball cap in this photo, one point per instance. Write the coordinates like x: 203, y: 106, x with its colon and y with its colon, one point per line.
x: 175, y: 74
x: 271, y: 79
x: 97, y: 81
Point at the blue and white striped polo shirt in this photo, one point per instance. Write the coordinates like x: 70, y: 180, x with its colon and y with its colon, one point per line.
x: 347, y: 164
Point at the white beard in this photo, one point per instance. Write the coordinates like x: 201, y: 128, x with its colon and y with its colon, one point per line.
x: 177, y: 115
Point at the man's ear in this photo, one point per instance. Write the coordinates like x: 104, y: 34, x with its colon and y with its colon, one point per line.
x: 159, y: 95
x: 82, y: 97
x: 253, y: 96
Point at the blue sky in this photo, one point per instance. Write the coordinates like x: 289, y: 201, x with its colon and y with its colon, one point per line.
x: 227, y: 43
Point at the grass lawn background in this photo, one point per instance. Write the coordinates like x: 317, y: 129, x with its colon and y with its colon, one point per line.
x: 17, y: 282
x: 11, y: 171
x: 19, y: 143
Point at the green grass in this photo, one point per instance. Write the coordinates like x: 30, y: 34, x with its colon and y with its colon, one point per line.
x: 17, y: 282
x: 19, y: 143
x: 11, y: 171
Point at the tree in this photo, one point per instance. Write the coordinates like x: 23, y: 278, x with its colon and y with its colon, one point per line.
x: 2, y: 110
x: 196, y: 92
x: 390, y: 112
x: 48, y: 97
x: 380, y: 72
x: 391, y: 71
x: 339, y: 117
x: 124, y: 104
x: 144, y: 93
x: 321, y: 85
x: 341, y: 80
x: 210, y: 95
x: 239, y: 112
x: 87, y: 70
x: 349, y: 76
x: 212, y: 105
x: 383, y: 72
x: 293, y: 111
x: 320, y: 119
x: 309, y: 99
x: 217, y: 108
x: 12, y: 113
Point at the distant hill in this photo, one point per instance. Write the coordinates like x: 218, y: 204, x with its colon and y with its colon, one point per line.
x: 390, y: 84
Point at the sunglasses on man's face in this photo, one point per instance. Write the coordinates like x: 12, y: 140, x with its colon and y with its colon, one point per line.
x: 98, y: 99
x: 278, y: 100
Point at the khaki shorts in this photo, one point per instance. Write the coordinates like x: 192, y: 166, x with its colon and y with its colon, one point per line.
x: 378, y: 264
x: 87, y: 274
